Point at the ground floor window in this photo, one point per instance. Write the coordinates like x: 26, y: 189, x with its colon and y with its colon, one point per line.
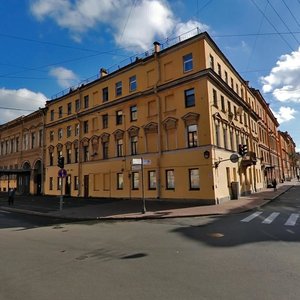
x: 51, y: 183
x: 120, y: 181
x: 194, y: 179
x: 170, y: 180
x: 76, y: 183
x: 135, y: 180
x: 152, y: 180
x: 59, y: 180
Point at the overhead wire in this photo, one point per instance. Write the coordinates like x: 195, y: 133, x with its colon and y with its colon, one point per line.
x: 273, y: 26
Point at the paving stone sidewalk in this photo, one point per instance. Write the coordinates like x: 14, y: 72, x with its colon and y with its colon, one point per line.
x: 107, y: 209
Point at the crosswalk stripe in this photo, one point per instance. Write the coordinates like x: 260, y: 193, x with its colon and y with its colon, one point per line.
x: 271, y: 218
x: 252, y: 216
x: 292, y: 220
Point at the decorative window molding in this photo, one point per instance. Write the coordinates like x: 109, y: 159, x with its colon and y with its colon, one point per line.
x: 133, y: 131
x: 170, y: 123
x: 151, y: 127
x: 190, y: 118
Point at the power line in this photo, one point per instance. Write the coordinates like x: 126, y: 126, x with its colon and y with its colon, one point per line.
x: 283, y: 21
x: 272, y: 24
x: 291, y: 12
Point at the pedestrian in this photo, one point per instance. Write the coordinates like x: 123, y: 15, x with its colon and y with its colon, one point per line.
x: 274, y: 182
x: 11, y: 196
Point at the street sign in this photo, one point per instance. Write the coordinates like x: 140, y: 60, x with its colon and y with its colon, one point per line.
x: 62, y: 173
x: 234, y: 158
x: 136, y: 161
x: 146, y: 162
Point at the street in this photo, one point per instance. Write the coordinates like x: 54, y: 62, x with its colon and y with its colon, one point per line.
x: 253, y: 255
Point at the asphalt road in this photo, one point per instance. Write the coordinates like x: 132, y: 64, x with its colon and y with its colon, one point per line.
x: 254, y: 255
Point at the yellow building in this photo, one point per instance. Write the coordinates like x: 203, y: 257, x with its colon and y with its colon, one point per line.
x: 183, y: 109
x: 166, y: 125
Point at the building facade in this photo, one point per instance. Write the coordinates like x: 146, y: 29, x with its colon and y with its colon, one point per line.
x: 167, y: 125
x: 21, y: 154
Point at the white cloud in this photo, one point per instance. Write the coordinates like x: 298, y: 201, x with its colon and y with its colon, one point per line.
x: 23, y: 100
x: 65, y: 77
x: 284, y: 79
x: 285, y: 114
x: 132, y: 26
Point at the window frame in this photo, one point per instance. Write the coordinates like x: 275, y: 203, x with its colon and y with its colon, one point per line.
x: 151, y: 181
x: 118, y: 88
x: 189, y: 99
x: 170, y: 181
x: 135, y: 180
x: 120, y: 181
x: 192, y: 136
x: 105, y: 94
x: 187, y: 62
x: 133, y: 113
x: 197, y: 187
x: 132, y: 83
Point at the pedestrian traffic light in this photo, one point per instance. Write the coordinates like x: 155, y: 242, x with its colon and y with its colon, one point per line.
x: 245, y: 149
x: 61, y: 162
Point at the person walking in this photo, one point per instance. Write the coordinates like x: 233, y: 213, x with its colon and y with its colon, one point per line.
x: 11, y: 196
x: 274, y: 182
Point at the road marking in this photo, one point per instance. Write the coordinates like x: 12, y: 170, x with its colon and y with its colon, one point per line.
x: 292, y: 220
x: 4, y: 211
x: 252, y: 216
x: 271, y: 218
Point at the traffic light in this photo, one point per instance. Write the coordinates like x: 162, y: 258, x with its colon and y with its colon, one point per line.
x: 241, y: 150
x: 245, y: 149
x: 61, y: 162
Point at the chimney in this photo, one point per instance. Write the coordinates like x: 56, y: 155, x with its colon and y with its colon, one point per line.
x: 103, y: 72
x: 156, y: 47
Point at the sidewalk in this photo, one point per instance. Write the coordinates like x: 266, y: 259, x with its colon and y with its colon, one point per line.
x: 93, y: 209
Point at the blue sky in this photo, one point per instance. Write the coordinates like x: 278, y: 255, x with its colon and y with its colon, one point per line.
x: 47, y: 46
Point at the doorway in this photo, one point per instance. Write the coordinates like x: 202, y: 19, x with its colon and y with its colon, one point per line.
x: 86, y: 185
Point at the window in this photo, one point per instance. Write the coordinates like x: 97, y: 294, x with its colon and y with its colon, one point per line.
x: 188, y: 62
x: 120, y: 181
x: 194, y: 179
x: 222, y: 104
x: 218, y: 134
x: 40, y: 139
x: 133, y: 113
x: 51, y: 158
x: 52, y: 115
x: 77, y: 105
x: 60, y: 134
x: 59, y: 183
x: 151, y: 180
x: 135, y: 180
x: 69, y: 108
x: 189, y: 97
x: 77, y: 129
x: 226, y: 77
x: 211, y: 62
x: 225, y: 138
x: 32, y: 141
x: 86, y: 101
x: 76, y: 155
x: 119, y: 88
x: 220, y: 70
x: 69, y: 153
x: 50, y: 183
x: 69, y: 131
x: 120, y: 147
x: 192, y: 136
x: 133, y: 144
x: 132, y: 83
x: 60, y: 112
x: 105, y: 150
x: 85, y: 153
x: 105, y: 121
x: 76, y: 183
x: 119, y: 117
x: 105, y: 94
x: 85, y: 126
x: 215, y: 98
x: 170, y: 182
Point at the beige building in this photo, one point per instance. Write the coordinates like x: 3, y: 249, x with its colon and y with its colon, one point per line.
x: 21, y: 154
